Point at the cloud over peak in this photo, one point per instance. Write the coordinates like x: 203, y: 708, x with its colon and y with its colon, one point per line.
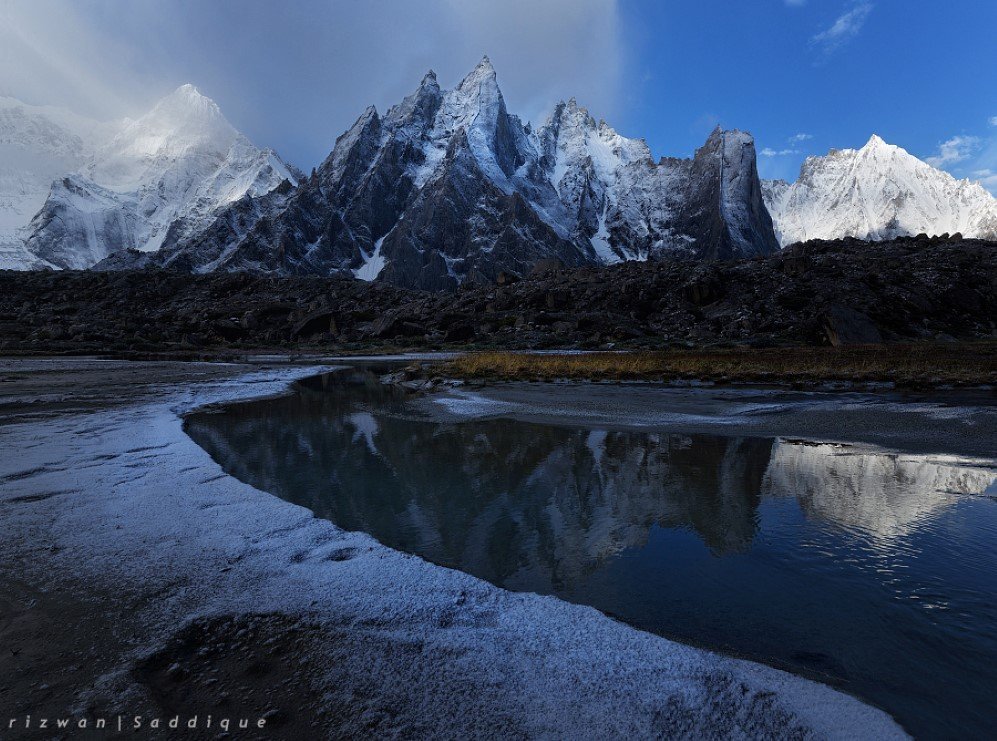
x: 845, y: 28
x: 956, y: 149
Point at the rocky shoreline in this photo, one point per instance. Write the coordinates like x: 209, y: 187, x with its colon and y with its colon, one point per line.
x: 834, y: 293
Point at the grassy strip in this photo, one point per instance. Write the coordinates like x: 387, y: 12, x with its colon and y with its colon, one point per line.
x: 916, y: 364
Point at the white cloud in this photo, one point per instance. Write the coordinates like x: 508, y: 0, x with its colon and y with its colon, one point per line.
x: 769, y: 152
x: 983, y: 165
x: 987, y: 177
x: 844, y: 29
x: 973, y: 157
x: 993, y: 120
x: 799, y: 138
x: 956, y: 149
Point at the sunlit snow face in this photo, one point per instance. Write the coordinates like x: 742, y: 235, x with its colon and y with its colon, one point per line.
x: 878, y: 192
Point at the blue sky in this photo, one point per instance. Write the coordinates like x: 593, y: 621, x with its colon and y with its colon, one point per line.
x: 802, y: 75
x: 809, y: 75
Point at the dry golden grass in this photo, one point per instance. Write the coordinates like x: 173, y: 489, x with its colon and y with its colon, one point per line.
x: 955, y: 363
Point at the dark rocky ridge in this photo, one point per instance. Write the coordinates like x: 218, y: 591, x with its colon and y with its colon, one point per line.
x: 815, y: 293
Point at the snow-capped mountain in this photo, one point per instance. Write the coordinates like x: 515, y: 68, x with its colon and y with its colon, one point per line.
x: 630, y: 207
x: 37, y: 145
x: 448, y: 187
x: 156, y: 181
x: 877, y: 192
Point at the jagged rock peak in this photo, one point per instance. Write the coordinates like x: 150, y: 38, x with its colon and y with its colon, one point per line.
x: 482, y: 76
x: 571, y: 111
x: 730, y: 142
x: 420, y: 105
x: 369, y: 114
x: 364, y: 130
x: 366, y: 119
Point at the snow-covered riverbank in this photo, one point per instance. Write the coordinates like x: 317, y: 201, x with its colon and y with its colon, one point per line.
x: 145, y: 581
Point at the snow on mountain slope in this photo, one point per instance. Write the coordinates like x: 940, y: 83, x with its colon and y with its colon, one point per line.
x: 37, y: 145
x: 158, y: 180
x: 877, y: 192
x: 586, y: 163
x: 632, y: 208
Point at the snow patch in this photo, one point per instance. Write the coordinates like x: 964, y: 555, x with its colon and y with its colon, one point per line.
x: 600, y: 241
x: 373, y: 263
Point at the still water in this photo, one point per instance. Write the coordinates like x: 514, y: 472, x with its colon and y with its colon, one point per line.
x: 872, y: 571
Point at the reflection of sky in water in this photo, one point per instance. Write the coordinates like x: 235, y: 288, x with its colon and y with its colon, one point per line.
x: 873, y: 569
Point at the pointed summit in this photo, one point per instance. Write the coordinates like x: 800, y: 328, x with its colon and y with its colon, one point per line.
x: 418, y: 107
x: 187, y: 108
x: 715, y: 138
x: 189, y: 97
x: 875, y: 142
x: 429, y: 85
x: 188, y: 89
x: 483, y: 75
x: 878, y: 149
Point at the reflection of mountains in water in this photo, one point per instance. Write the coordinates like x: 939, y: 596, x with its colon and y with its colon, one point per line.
x: 538, y: 507
x: 878, y: 493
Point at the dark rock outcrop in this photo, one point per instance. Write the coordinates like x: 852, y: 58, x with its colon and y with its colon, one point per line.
x: 850, y: 292
x: 844, y: 326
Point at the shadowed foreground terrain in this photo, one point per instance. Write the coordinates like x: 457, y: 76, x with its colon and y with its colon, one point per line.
x: 816, y: 293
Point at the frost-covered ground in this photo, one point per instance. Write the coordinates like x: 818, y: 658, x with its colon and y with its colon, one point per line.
x: 137, y: 578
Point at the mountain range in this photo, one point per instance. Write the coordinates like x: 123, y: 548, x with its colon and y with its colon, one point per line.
x: 448, y: 187
x: 445, y: 188
x: 92, y: 188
